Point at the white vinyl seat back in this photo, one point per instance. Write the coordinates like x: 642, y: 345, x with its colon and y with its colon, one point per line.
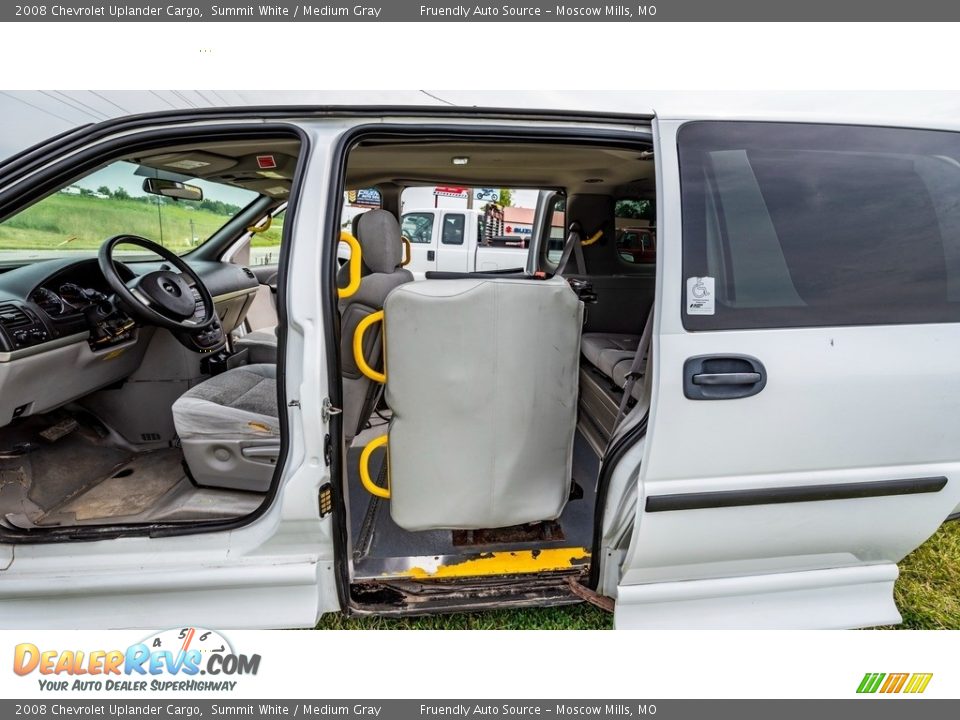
x: 482, y: 380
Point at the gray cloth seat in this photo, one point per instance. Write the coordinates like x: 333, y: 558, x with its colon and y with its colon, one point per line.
x: 606, y: 350
x: 261, y: 345
x: 378, y: 233
x: 229, y: 428
x: 612, y: 354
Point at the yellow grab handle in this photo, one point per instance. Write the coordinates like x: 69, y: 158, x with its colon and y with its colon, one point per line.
x: 407, y: 252
x: 263, y: 227
x: 365, y: 479
x: 358, y: 358
x: 593, y: 238
x: 355, y: 257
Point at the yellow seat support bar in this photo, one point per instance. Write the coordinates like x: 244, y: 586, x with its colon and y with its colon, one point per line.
x: 355, y: 260
x: 358, y: 357
x: 368, y: 484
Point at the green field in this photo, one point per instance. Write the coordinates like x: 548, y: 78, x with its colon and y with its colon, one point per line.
x: 63, y: 223
x: 927, y: 593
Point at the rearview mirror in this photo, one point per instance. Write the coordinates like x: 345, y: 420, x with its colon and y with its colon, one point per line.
x: 172, y: 189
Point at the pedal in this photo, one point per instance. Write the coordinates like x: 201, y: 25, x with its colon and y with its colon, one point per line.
x: 61, y: 429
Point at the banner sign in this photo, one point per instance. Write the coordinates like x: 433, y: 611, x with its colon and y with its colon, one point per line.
x: 514, y: 11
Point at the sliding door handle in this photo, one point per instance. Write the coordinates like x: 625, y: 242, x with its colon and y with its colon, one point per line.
x: 732, y: 378
x: 723, y: 377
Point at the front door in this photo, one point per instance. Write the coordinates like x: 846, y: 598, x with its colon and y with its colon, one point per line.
x: 420, y: 228
x: 454, y: 247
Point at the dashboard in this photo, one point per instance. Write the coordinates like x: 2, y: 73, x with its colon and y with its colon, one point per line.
x: 63, y: 335
x: 47, y: 302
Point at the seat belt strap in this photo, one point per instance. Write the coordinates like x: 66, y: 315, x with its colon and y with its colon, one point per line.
x: 572, y: 246
x: 634, y: 373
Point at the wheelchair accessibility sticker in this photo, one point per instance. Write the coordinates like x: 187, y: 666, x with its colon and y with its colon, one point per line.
x: 700, y: 296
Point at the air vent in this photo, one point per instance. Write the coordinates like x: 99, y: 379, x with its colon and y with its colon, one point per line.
x: 249, y: 273
x: 12, y: 317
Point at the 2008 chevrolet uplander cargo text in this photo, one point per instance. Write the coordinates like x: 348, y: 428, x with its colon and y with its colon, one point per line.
x: 748, y: 424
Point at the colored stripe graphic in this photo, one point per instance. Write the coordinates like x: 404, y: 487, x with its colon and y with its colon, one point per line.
x: 894, y: 683
x: 914, y: 683
x: 918, y: 682
x: 870, y: 682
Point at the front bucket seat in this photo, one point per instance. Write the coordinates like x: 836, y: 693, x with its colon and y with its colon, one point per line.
x: 229, y: 428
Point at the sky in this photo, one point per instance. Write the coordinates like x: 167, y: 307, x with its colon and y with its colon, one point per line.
x: 29, y: 116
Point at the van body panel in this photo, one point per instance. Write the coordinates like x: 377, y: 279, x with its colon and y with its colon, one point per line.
x: 702, y: 544
x: 845, y: 460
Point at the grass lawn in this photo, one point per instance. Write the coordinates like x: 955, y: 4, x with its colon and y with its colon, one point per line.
x: 928, y: 595
x: 63, y: 223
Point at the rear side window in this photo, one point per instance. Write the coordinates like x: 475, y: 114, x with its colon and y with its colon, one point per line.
x: 453, y: 226
x: 793, y: 225
x: 636, y: 236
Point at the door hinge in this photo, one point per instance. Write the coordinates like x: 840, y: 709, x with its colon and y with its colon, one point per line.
x: 327, y: 411
x: 293, y: 403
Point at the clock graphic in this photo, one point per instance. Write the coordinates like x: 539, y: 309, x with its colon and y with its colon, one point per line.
x: 182, y: 640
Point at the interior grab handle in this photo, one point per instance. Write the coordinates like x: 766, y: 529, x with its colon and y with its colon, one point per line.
x: 358, y: 357
x: 368, y: 484
x: 355, y: 259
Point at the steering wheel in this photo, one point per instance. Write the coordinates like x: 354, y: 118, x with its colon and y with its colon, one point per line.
x: 162, y: 297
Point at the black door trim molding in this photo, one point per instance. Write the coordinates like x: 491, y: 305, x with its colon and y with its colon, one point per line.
x: 793, y: 494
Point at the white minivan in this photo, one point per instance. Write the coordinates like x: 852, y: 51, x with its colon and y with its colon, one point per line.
x: 748, y: 427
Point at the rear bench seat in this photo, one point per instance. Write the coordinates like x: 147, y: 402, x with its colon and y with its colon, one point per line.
x: 612, y: 354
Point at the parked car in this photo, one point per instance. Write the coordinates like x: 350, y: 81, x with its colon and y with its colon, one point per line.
x: 752, y: 436
x: 637, y: 245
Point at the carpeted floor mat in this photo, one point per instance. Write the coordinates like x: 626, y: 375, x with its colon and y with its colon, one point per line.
x: 56, y: 457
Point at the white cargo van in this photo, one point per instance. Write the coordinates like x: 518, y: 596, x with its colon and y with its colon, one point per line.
x: 748, y: 425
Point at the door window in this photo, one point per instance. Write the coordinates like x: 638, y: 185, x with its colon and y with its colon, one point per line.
x: 418, y: 227
x: 265, y: 245
x: 453, y: 226
x: 797, y: 225
x: 112, y: 201
x: 636, y: 237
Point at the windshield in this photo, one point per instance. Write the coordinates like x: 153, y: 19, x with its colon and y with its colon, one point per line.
x: 78, y: 218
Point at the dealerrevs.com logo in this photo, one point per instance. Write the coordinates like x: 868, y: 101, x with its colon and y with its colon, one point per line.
x: 889, y: 683
x: 170, y: 660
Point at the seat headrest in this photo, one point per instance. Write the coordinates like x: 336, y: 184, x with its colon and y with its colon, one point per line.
x: 379, y: 234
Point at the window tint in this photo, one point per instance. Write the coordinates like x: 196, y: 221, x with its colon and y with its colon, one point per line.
x: 453, y: 226
x: 804, y: 225
x: 417, y: 227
